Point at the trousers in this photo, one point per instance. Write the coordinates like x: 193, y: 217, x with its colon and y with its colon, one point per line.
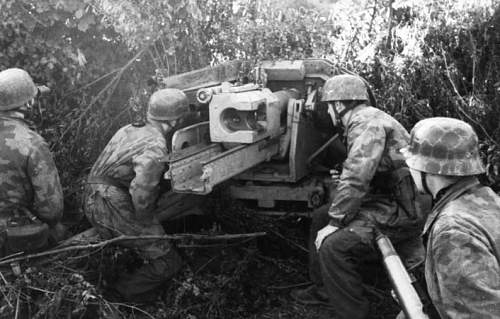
x: 110, y: 211
x: 336, y: 267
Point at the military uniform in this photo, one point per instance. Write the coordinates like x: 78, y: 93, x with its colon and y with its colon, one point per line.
x: 375, y: 190
x: 462, y: 267
x: 121, y: 195
x: 31, y: 199
x: 28, y: 175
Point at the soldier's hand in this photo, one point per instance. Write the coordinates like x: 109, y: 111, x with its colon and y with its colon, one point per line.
x: 323, y: 233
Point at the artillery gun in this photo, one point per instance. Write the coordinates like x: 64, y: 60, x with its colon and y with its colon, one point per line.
x: 266, y: 133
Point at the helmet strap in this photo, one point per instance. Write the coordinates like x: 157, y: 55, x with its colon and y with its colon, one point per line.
x: 343, y: 112
x: 423, y: 179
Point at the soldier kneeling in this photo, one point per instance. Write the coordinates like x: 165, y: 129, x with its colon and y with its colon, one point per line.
x: 124, y: 187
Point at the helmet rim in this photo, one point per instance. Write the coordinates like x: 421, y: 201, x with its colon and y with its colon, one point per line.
x: 443, y: 146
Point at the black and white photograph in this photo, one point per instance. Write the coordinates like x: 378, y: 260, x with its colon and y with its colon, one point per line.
x: 261, y: 159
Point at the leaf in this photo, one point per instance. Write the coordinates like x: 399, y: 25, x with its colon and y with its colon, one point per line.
x: 79, y: 13
x: 86, y: 22
x: 194, y: 10
x: 71, y: 5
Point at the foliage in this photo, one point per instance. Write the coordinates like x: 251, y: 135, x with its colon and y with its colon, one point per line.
x: 422, y: 58
x: 61, y: 44
x: 220, y: 279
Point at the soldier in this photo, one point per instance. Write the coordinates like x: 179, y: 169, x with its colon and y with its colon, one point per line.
x: 462, y: 267
x: 31, y: 199
x: 374, y: 191
x: 123, y: 189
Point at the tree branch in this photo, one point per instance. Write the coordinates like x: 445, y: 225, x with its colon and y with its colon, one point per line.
x: 461, y: 99
x: 89, y: 84
x: 111, y: 84
x: 125, y: 238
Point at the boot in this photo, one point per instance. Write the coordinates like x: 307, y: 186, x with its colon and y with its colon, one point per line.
x: 312, y: 295
x: 135, y: 286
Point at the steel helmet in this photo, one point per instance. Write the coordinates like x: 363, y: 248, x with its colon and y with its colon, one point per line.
x: 444, y: 146
x: 16, y: 88
x: 345, y: 87
x: 167, y: 105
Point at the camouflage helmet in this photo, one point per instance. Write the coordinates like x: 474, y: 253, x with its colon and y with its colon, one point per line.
x: 345, y: 87
x: 167, y: 105
x: 444, y: 146
x: 16, y: 88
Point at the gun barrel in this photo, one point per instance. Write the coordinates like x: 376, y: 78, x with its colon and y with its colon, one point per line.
x: 407, y: 295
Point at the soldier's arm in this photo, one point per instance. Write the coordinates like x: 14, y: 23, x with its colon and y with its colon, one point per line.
x: 468, y: 275
x: 48, y: 199
x: 366, y: 142
x: 144, y: 188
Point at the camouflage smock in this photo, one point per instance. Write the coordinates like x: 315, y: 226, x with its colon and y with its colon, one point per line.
x: 462, y: 267
x: 28, y: 175
x: 135, y: 159
x: 373, y: 173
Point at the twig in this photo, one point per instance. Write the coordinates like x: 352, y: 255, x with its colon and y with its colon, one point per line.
x: 206, y: 264
x: 116, y: 118
x: 215, y: 245
x: 351, y: 43
x: 40, y: 290
x: 159, y: 55
x: 125, y: 238
x: 3, y: 279
x: 165, y: 54
x: 463, y: 101
x: 112, y: 83
x: 153, y: 59
x: 133, y: 308
x: 372, y: 19
x: 281, y: 214
x: 388, y: 44
x: 6, y: 284
x: 17, y: 305
x: 32, y: 15
x: 113, y: 308
x: 13, y: 255
x: 303, y: 284
x: 90, y: 83
x: 474, y: 62
x: 288, y: 241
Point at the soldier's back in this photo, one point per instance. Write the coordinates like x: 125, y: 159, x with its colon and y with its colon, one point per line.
x: 117, y: 158
x: 19, y: 145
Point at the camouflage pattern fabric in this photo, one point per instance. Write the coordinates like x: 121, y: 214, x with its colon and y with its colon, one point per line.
x: 28, y: 175
x: 345, y: 87
x: 134, y: 157
x: 463, y: 252
x: 373, y: 163
x: 444, y: 146
x: 16, y: 88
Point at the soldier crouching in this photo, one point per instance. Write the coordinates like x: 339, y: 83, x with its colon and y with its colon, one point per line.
x: 123, y: 188
x: 375, y: 192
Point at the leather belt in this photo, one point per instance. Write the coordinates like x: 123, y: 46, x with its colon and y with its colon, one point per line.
x: 106, y: 180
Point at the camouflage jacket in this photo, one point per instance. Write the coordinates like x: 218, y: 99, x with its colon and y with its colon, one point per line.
x: 28, y: 175
x: 135, y: 158
x: 462, y: 267
x: 371, y: 172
